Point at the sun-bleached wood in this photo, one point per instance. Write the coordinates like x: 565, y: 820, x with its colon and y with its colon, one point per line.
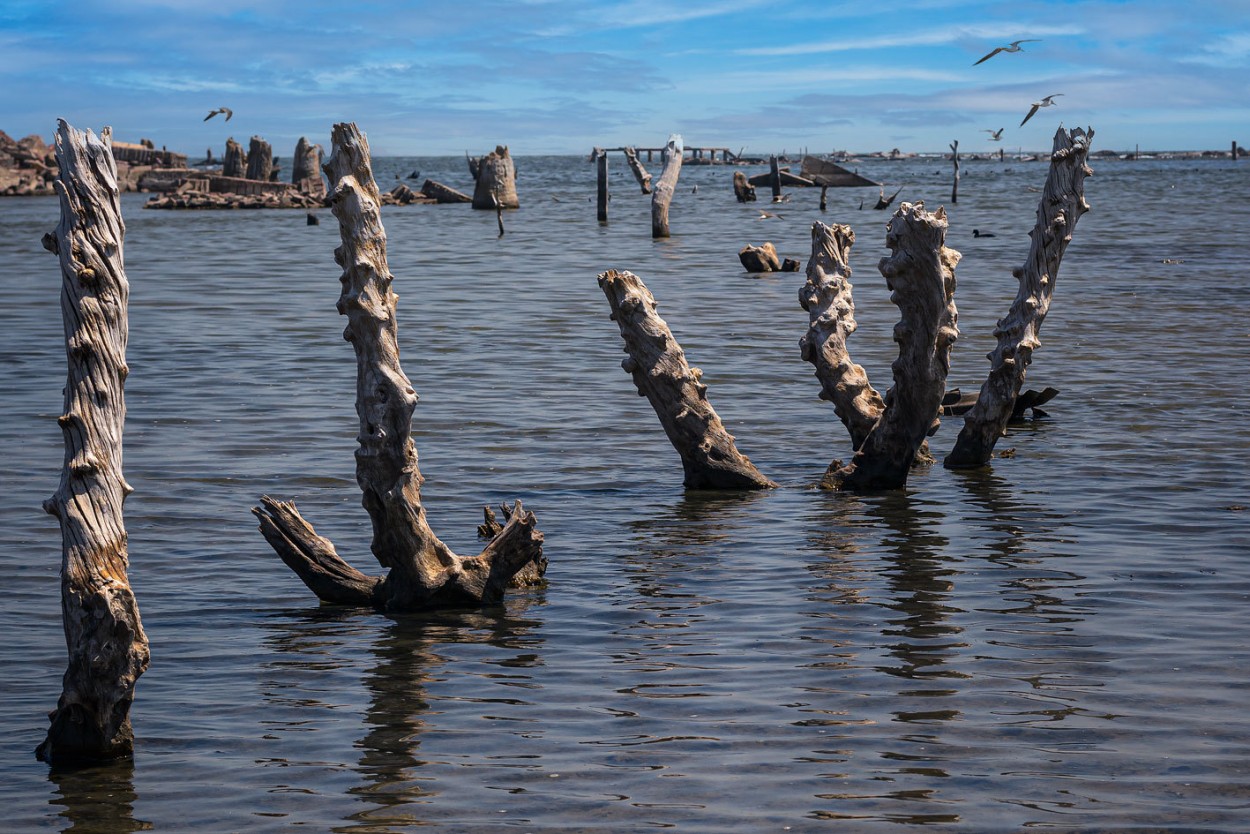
x: 496, y: 181
x: 666, y: 186
x: 423, y: 572
x: 659, y: 369
x: 108, y: 649
x: 1061, y: 205
x: 920, y: 274
x: 761, y: 258
x: 640, y: 173
x: 831, y: 319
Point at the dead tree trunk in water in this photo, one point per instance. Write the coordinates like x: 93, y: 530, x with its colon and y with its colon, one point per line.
x: 1060, y: 207
x: 424, y: 572
x: 831, y: 315
x: 743, y: 190
x: 667, y: 185
x: 601, y: 191
x: 496, y: 181
x: 774, y: 178
x: 108, y: 650
x: 659, y: 368
x: 955, y: 183
x: 259, y: 160
x: 306, y: 169
x: 235, y: 162
x: 921, y: 276
x: 640, y: 173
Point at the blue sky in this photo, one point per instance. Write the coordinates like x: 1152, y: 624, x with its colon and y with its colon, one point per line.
x: 559, y: 76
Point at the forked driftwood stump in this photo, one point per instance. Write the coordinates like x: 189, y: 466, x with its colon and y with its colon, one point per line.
x: 496, y: 181
x: 423, y: 572
x: 659, y: 368
x: 921, y: 277
x: 640, y: 173
x: 666, y: 186
x: 831, y: 315
x: 1061, y: 205
x: 108, y: 650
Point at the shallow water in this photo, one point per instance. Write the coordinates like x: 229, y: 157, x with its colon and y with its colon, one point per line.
x: 1059, y: 642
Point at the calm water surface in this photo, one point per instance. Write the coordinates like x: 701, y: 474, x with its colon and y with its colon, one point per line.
x: 1060, y: 642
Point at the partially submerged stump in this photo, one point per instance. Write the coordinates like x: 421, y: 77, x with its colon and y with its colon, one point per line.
x: 666, y: 187
x: 235, y: 162
x: 883, y: 202
x: 1061, y: 205
x: 443, y: 194
x: 259, y: 160
x: 658, y: 366
x: 424, y: 572
x: 640, y: 173
x: 743, y: 190
x: 760, y: 258
x: 921, y: 277
x: 306, y: 169
x: 496, y: 181
x: 108, y: 649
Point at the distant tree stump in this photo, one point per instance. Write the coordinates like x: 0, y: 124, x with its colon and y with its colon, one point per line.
x: 235, y: 162
x: 259, y: 160
x: 743, y: 190
x: 108, y: 649
x: 666, y: 187
x: 1061, y: 205
x: 306, y: 169
x: 496, y: 181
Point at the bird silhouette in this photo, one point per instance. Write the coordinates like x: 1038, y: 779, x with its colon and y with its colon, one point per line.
x: 1014, y: 46
x: 1046, y: 102
x: 979, y: 233
x: 995, y: 135
x: 225, y: 110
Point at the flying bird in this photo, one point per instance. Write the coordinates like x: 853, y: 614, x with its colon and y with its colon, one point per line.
x: 1046, y: 102
x: 764, y: 215
x: 995, y: 135
x: 1014, y: 46
x: 225, y: 110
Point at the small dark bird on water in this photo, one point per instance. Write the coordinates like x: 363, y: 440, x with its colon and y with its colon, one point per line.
x: 1046, y: 102
x: 979, y: 233
x: 225, y: 110
x: 1014, y: 46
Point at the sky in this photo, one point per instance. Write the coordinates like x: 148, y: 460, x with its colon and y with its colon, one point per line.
x: 562, y: 76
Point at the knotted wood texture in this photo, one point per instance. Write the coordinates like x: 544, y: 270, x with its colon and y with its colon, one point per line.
x: 1061, y: 205
x: 659, y: 368
x: 921, y: 277
x: 831, y: 319
x: 666, y: 186
x: 423, y: 572
x: 108, y: 650
x: 496, y: 181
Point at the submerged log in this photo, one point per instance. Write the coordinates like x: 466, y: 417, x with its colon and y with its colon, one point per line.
x: 108, y: 649
x: 496, y: 181
x: 920, y: 273
x: 665, y: 188
x: 743, y: 190
x: 259, y: 160
x: 444, y: 194
x: 831, y: 319
x: 306, y: 169
x: 658, y: 366
x: 760, y: 258
x: 640, y: 173
x: 1061, y: 205
x: 424, y: 572
x: 235, y: 162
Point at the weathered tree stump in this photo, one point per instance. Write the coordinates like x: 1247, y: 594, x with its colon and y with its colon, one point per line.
x: 640, y: 173
x: 666, y: 186
x: 921, y: 277
x: 306, y: 169
x: 424, y: 572
x: 1061, y: 205
x: 760, y: 258
x: 955, y: 183
x: 743, y: 190
x: 496, y: 181
x: 108, y: 650
x: 259, y: 160
x: 444, y: 194
x: 235, y: 162
x: 831, y: 319
x: 659, y: 369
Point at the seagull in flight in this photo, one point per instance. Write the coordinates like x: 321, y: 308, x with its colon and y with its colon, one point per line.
x: 1046, y: 102
x: 1014, y: 46
x: 995, y: 135
x: 225, y: 110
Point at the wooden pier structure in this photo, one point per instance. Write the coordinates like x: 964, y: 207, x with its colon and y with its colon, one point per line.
x: 692, y: 156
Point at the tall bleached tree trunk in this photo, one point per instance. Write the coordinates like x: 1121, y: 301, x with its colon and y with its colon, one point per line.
x: 306, y: 169
x: 423, y: 572
x: 640, y: 173
x: 666, y: 186
x: 259, y: 159
x: 659, y: 368
x: 920, y: 274
x: 496, y: 181
x: 108, y: 650
x: 1060, y: 207
x: 235, y: 162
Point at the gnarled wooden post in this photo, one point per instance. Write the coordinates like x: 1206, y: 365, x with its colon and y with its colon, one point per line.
x: 658, y: 366
x: 666, y: 186
x: 108, y: 650
x: 424, y: 572
x: 496, y: 181
x: 955, y: 182
x: 831, y: 319
x: 1061, y: 205
x: 774, y: 178
x: 235, y: 162
x: 306, y: 169
x: 921, y: 276
x: 640, y: 173
x: 601, y: 190
x: 259, y: 159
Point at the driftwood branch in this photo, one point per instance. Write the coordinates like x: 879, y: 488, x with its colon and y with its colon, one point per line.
x: 920, y: 274
x: 108, y: 649
x: 666, y: 186
x: 659, y: 368
x: 1060, y: 207
x: 424, y: 572
x: 640, y: 173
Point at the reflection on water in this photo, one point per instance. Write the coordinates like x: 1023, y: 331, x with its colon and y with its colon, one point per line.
x: 97, y: 800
